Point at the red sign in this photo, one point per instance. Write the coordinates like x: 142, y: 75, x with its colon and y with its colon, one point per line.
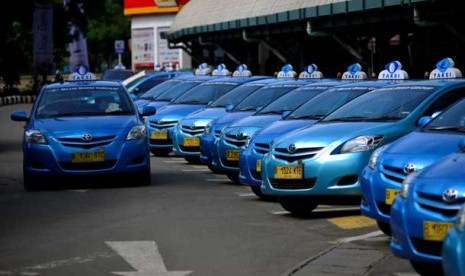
x: 139, y: 7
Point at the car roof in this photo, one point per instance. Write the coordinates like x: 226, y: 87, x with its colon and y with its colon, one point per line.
x: 102, y: 83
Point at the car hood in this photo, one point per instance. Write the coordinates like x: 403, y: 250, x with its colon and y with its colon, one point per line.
x: 72, y: 125
x: 322, y: 134
x: 158, y: 104
x: 278, y: 128
x: 256, y: 121
x: 232, y: 117
x: 207, y: 113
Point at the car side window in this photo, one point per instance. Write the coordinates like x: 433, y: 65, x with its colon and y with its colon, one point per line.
x: 445, y: 100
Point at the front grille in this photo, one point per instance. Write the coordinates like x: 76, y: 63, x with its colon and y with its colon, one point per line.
x: 162, y: 125
x: 193, y: 131
x: 427, y: 247
x: 261, y: 148
x: 77, y: 142
x: 190, y: 149
x: 298, y: 154
x: 292, y: 184
x: 436, y: 204
x: 161, y: 142
x: 233, y: 140
x: 88, y: 166
x: 393, y: 173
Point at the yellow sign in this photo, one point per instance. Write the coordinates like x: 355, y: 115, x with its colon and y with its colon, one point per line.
x: 258, y: 165
x: 288, y: 172
x: 159, y: 135
x: 435, y: 231
x: 84, y: 157
x: 389, y: 195
x: 191, y: 142
x: 232, y: 155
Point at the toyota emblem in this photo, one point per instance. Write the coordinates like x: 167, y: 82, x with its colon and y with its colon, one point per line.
x: 240, y: 135
x: 193, y: 126
x: 450, y: 195
x: 86, y: 137
x: 291, y: 148
x: 409, y: 168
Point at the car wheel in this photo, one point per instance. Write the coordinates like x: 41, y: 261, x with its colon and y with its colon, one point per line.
x: 427, y: 269
x: 258, y: 192
x: 144, y: 179
x: 213, y: 169
x: 160, y: 152
x: 299, y: 206
x: 192, y: 159
x: 384, y: 227
x: 234, y: 177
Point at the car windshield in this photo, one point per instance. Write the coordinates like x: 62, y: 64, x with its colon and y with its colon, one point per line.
x: 176, y: 91
x: 83, y: 101
x: 205, y: 93
x: 452, y: 119
x: 383, y: 104
x: 262, y: 97
x: 290, y: 101
x: 235, y: 95
x: 157, y: 90
x: 117, y: 74
x: 326, y: 102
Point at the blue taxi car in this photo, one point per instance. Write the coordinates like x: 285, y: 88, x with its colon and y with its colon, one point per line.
x: 225, y: 153
x: 336, y: 94
x: 389, y: 165
x: 269, y: 90
x: 84, y: 128
x: 322, y: 164
x: 424, y: 210
x: 453, y: 247
x: 186, y: 134
x: 160, y: 127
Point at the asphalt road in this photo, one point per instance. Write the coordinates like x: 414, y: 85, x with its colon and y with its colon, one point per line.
x: 187, y: 222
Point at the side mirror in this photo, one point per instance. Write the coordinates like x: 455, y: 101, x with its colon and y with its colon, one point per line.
x: 147, y: 110
x: 424, y: 120
x: 19, y: 116
x: 229, y: 107
x: 285, y: 113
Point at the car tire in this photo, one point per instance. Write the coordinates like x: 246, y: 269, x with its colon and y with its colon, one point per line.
x: 160, y: 152
x: 427, y: 269
x: 195, y: 160
x: 258, y: 192
x: 298, y: 206
x: 144, y: 179
x: 384, y: 227
x: 234, y: 177
x: 213, y: 169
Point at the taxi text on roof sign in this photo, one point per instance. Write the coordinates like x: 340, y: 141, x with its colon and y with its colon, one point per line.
x: 311, y: 72
x: 445, y: 70
x: 287, y: 71
x: 393, y: 71
x: 221, y: 70
x: 354, y: 72
x: 82, y: 72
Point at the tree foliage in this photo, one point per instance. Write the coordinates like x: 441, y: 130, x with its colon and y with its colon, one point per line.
x: 105, y: 23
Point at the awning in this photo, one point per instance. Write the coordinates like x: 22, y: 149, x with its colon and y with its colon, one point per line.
x: 201, y: 16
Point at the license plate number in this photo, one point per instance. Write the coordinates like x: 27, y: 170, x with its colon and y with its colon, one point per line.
x: 389, y: 195
x: 232, y: 155
x: 288, y: 172
x: 159, y: 135
x: 191, y: 142
x: 258, y: 165
x: 435, y: 231
x: 84, y: 157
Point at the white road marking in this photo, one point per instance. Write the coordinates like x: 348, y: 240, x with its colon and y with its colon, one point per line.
x: 216, y: 179
x: 320, y: 210
x: 196, y: 170
x: 144, y: 257
x: 246, y: 194
x: 175, y: 161
x: 360, y: 237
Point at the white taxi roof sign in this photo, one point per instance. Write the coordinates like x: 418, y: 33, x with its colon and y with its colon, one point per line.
x: 354, y: 72
x: 203, y: 70
x: 287, y: 71
x: 242, y: 71
x: 445, y: 70
x: 221, y: 70
x: 311, y: 72
x: 81, y: 72
x: 393, y: 71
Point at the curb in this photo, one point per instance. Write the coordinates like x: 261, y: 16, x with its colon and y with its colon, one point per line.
x: 17, y: 99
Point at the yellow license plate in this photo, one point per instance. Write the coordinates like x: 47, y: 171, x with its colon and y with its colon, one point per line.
x: 258, y: 165
x: 159, y: 135
x: 191, y: 142
x: 232, y: 155
x: 84, y: 157
x: 288, y: 172
x: 389, y: 195
x: 435, y: 231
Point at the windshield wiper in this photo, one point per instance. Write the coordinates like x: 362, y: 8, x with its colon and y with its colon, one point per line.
x: 384, y: 118
x: 312, y: 117
x: 192, y: 102
x: 448, y: 128
x: 246, y: 108
x: 348, y: 119
x: 272, y: 112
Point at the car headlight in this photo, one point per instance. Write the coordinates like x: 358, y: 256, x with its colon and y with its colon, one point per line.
x: 34, y: 136
x: 362, y: 143
x: 208, y: 128
x: 374, y: 157
x: 137, y: 132
x: 247, y: 141
x: 404, y: 188
x: 460, y: 221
